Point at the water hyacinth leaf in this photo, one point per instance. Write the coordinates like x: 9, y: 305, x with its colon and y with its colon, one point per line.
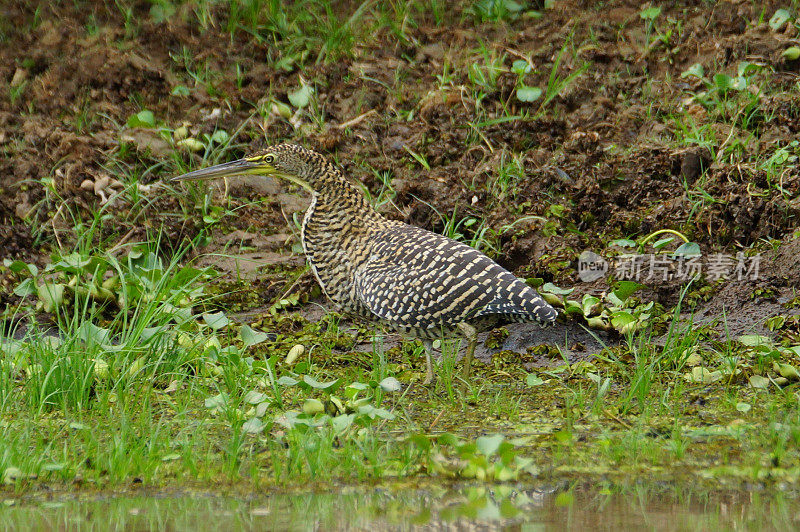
x: 489, y: 445
x: 342, y: 422
x: 261, y: 409
x: 301, y: 97
x: 650, y: 13
x: 144, y: 118
x: 286, y: 381
x: 313, y: 406
x: 688, y: 249
x: 51, y: 295
x: 528, y: 94
x: 216, y: 320
x: 753, y: 340
x: 622, y: 320
x: 553, y: 289
x: 251, y: 337
x: 326, y: 386
x: 390, y: 384
x: 696, y: 70
x: 660, y: 243
x: 533, y: 380
x: 254, y: 397
x: 253, y: 425
x: 786, y: 371
x: 792, y: 53
x: 779, y: 18
x: 373, y: 412
x: 758, y: 381
x: 218, y: 401
x: 26, y: 288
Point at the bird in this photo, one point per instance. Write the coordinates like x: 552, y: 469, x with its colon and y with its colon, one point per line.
x: 418, y: 283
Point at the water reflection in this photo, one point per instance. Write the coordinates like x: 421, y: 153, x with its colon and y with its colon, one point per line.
x: 481, y: 508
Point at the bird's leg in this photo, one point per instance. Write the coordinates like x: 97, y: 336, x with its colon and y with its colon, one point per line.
x: 472, y: 338
x: 428, y: 345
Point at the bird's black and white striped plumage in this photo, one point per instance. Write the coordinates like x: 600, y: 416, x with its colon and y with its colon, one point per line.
x: 412, y: 280
x: 425, y: 282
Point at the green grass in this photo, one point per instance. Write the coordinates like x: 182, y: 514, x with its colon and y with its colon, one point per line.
x: 119, y: 360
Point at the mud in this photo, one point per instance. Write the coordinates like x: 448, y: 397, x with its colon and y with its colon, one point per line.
x: 608, y: 149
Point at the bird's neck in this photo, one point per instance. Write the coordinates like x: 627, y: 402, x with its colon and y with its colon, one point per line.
x: 340, y: 205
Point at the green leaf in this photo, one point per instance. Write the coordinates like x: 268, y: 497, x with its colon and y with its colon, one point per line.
x: 753, y: 340
x: 327, y: 386
x: 301, y: 97
x: 533, y: 380
x: 26, y: 288
x: 286, y: 381
x: 658, y: 244
x: 696, y: 70
x: 781, y: 17
x: 251, y: 337
x: 743, y: 407
x: 218, y: 401
x: 650, y: 13
x: 254, y: 397
x: 624, y: 289
x: 758, y: 381
x: 180, y: 90
x: 623, y: 243
x: 488, y: 445
x: 553, y: 289
x: 390, y: 384
x: 216, y: 320
x: 528, y: 94
x: 792, y: 53
x: 688, y: 249
x: 144, y: 118
x: 51, y: 295
x: 520, y: 67
x: 253, y: 426
x: 220, y: 136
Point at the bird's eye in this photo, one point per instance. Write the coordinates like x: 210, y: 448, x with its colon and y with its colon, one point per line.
x: 269, y: 159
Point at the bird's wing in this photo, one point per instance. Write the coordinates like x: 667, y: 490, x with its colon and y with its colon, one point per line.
x: 416, y: 278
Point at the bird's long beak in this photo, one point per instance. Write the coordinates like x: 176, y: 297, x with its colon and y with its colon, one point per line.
x: 233, y: 168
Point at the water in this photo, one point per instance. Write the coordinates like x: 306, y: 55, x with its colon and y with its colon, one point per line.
x: 474, y: 508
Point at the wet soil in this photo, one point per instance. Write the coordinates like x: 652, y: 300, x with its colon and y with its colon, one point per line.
x: 608, y: 150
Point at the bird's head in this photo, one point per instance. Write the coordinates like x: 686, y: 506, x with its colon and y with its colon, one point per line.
x: 294, y: 163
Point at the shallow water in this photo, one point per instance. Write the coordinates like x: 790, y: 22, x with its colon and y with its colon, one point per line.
x: 479, y: 508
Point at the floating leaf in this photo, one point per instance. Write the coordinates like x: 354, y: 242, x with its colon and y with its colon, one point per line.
x: 313, y: 406
x: 528, y: 94
x: 253, y: 425
x: 553, y: 289
x: 650, y: 13
x: 533, y: 380
x: 390, y: 384
x: 792, y: 53
x: 144, y: 118
x: 253, y: 397
x: 218, y: 401
x: 696, y: 70
x: 216, y: 320
x: 781, y: 17
x: 251, y: 337
x: 327, y: 386
x: 688, y: 249
x: 488, y: 445
x: 301, y: 97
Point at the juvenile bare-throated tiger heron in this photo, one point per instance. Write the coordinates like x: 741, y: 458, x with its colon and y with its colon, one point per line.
x: 419, y: 283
